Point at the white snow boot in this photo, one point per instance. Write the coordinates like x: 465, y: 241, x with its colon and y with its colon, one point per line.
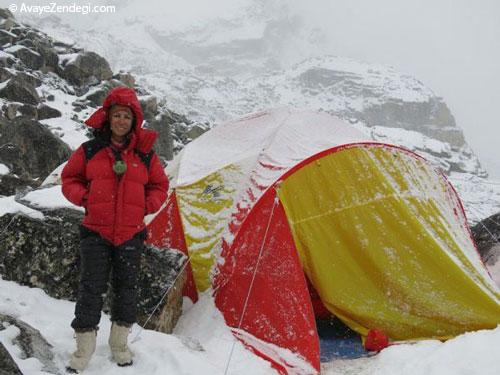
x: 118, y: 344
x: 85, y: 347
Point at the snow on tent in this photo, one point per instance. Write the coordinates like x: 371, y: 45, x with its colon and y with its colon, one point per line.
x: 275, y: 201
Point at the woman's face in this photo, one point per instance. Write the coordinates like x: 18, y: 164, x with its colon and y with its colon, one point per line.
x: 120, y: 122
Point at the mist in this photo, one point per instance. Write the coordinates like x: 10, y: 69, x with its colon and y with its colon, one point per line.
x: 451, y: 46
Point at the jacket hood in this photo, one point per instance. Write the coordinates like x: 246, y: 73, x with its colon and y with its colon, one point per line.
x: 142, y: 139
x: 120, y: 95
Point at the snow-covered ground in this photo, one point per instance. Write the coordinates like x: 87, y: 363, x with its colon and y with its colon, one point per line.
x: 202, y: 345
x: 155, y: 353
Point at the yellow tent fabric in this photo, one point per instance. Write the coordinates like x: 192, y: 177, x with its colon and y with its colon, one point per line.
x: 205, y: 210
x: 379, y: 238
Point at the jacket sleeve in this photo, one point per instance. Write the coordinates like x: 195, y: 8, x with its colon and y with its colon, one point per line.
x: 74, y: 182
x: 157, y: 186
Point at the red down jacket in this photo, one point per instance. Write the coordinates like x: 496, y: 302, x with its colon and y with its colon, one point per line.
x: 115, y: 206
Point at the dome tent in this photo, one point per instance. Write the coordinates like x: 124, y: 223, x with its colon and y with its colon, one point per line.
x: 267, y: 202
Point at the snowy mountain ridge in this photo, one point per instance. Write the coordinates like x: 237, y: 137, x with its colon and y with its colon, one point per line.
x: 214, y: 65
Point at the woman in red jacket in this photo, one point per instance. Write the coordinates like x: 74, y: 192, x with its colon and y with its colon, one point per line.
x: 118, y: 179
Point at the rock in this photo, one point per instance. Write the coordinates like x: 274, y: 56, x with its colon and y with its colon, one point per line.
x: 10, y: 110
x: 80, y: 104
x: 11, y: 184
x: 45, y: 254
x: 23, y: 153
x: 97, y: 97
x: 17, y: 30
x: 18, y: 89
x: 7, y: 24
x: 31, y: 343
x: 6, y: 61
x: 164, y: 145
x: 29, y: 78
x: 51, y: 97
x: 48, y: 53
x: 7, y: 37
x: 196, y: 130
x: 126, y: 78
x: 486, y: 234
x: 5, y: 13
x: 30, y: 58
x: 29, y: 111
x: 88, y: 67
x: 149, y: 107
x: 159, y: 270
x: 26, y: 42
x: 5, y: 75
x: 45, y: 112
x: 7, y: 364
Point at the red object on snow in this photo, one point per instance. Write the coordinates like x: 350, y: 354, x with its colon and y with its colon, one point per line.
x: 376, y: 340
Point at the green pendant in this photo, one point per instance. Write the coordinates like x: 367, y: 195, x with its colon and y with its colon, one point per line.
x: 119, y: 167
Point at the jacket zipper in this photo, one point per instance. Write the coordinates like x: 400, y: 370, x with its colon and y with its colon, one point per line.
x: 118, y: 183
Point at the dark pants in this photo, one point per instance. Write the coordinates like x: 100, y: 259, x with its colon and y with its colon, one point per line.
x: 97, y: 257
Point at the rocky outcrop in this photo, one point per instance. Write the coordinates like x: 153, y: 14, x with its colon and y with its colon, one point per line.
x: 45, y: 254
x: 33, y: 57
x: 378, y: 96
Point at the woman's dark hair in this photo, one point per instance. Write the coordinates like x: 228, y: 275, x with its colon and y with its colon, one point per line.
x: 103, y: 133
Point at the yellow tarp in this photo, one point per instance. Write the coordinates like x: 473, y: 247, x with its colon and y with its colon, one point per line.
x: 378, y: 238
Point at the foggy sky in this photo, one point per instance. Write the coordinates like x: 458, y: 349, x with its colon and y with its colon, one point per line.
x: 452, y: 46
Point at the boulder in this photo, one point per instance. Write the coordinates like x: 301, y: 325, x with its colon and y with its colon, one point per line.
x: 7, y: 37
x: 96, y: 98
x: 18, y: 89
x: 486, y: 234
x: 29, y: 78
x: 10, y: 110
x: 29, y: 111
x: 196, y: 130
x: 17, y: 30
x: 149, y: 107
x: 6, y: 61
x: 126, y: 78
x: 5, y: 75
x: 164, y: 145
x: 26, y: 42
x: 10, y: 184
x: 22, y: 152
x: 48, y: 53
x: 87, y: 68
x: 7, y: 24
x: 45, y: 254
x: 45, y: 112
x: 32, y: 59
x: 6, y: 13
